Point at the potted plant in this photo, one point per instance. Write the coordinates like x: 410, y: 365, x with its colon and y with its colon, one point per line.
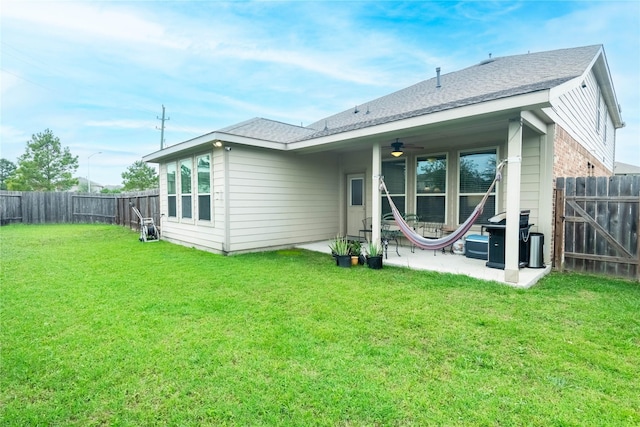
x: 355, y: 250
x: 340, y: 250
x: 374, y: 255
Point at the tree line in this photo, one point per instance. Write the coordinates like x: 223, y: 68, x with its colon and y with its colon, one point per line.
x: 47, y: 166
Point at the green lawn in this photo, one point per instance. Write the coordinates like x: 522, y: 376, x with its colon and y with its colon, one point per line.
x: 99, y: 329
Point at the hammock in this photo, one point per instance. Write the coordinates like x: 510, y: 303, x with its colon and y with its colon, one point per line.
x: 435, y: 244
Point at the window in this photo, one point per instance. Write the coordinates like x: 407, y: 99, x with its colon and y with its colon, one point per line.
x: 171, y: 190
x: 394, y: 172
x: 204, y: 188
x: 185, y: 187
x: 477, y: 171
x: 431, y: 188
x: 356, y: 197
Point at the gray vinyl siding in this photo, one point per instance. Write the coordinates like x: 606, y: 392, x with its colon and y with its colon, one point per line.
x: 280, y: 199
x: 530, y: 177
x: 577, y: 112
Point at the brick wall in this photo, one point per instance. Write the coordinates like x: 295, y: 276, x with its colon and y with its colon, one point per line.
x: 572, y: 159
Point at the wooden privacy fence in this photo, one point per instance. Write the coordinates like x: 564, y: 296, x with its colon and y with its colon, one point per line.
x: 596, y: 225
x: 33, y: 207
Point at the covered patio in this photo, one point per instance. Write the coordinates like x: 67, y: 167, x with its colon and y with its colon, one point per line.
x: 447, y: 263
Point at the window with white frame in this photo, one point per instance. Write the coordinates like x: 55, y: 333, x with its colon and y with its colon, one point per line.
x: 172, y: 190
x: 431, y: 188
x: 477, y: 171
x: 186, y: 167
x: 204, y: 187
x: 394, y: 172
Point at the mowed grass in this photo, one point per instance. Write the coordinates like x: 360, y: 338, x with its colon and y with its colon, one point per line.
x: 99, y: 329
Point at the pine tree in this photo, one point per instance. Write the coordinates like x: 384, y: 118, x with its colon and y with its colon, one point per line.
x: 45, y: 166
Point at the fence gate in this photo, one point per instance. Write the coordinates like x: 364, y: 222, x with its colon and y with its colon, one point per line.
x: 596, y: 225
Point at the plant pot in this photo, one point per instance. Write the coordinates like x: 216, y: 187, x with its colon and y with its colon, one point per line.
x: 354, y: 260
x: 375, y: 262
x: 344, y: 260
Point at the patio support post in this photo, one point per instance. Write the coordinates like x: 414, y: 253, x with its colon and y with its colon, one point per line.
x: 226, y: 245
x: 512, y: 232
x: 376, y: 203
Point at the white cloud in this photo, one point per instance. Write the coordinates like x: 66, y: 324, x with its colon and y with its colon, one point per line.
x: 97, y: 73
x: 85, y: 21
x: 8, y: 80
x: 13, y: 142
x: 122, y: 124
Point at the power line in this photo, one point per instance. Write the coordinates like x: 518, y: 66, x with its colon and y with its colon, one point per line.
x: 26, y: 80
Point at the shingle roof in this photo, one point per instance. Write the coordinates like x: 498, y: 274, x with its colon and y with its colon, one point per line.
x: 620, y: 168
x: 492, y: 79
x: 269, y: 130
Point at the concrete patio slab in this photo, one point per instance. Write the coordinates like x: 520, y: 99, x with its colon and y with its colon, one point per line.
x: 447, y: 263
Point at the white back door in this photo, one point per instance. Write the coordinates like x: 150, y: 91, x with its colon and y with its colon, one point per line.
x: 356, y: 207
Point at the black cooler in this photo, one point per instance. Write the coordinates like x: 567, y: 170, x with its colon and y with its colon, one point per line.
x: 497, y: 232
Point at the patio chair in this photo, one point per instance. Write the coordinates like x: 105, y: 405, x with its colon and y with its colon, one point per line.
x: 414, y: 222
x: 389, y: 233
x: 432, y: 230
x: 367, y: 229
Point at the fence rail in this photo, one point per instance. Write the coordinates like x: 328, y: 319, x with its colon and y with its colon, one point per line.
x: 597, y: 222
x: 33, y: 207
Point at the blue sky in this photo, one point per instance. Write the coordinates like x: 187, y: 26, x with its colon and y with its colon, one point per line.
x: 97, y: 73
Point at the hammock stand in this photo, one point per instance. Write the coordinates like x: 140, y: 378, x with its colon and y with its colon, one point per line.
x: 435, y: 244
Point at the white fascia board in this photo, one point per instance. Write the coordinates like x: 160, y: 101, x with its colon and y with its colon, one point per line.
x: 551, y: 114
x: 208, y: 139
x: 178, y: 148
x: 254, y: 142
x: 529, y: 101
x: 557, y: 91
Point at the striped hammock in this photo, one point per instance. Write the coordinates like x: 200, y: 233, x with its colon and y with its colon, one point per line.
x: 435, y: 244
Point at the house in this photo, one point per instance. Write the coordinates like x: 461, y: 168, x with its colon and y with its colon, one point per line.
x: 262, y: 184
x: 625, y: 169
x: 83, y: 185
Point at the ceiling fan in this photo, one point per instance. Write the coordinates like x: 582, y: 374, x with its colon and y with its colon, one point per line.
x: 398, y: 147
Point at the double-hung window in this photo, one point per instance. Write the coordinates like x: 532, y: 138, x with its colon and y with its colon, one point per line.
x: 394, y: 172
x: 204, y: 187
x: 431, y: 188
x: 171, y: 190
x: 186, y: 167
x: 477, y: 171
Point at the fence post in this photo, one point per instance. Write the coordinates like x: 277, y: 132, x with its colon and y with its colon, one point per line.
x: 558, y: 230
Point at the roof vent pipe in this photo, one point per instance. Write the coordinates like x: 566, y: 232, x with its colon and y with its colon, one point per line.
x: 438, y: 77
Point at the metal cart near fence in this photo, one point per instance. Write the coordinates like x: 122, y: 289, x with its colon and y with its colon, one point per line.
x: 149, y: 232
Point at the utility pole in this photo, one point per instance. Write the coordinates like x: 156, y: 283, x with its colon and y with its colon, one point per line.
x: 162, y: 128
